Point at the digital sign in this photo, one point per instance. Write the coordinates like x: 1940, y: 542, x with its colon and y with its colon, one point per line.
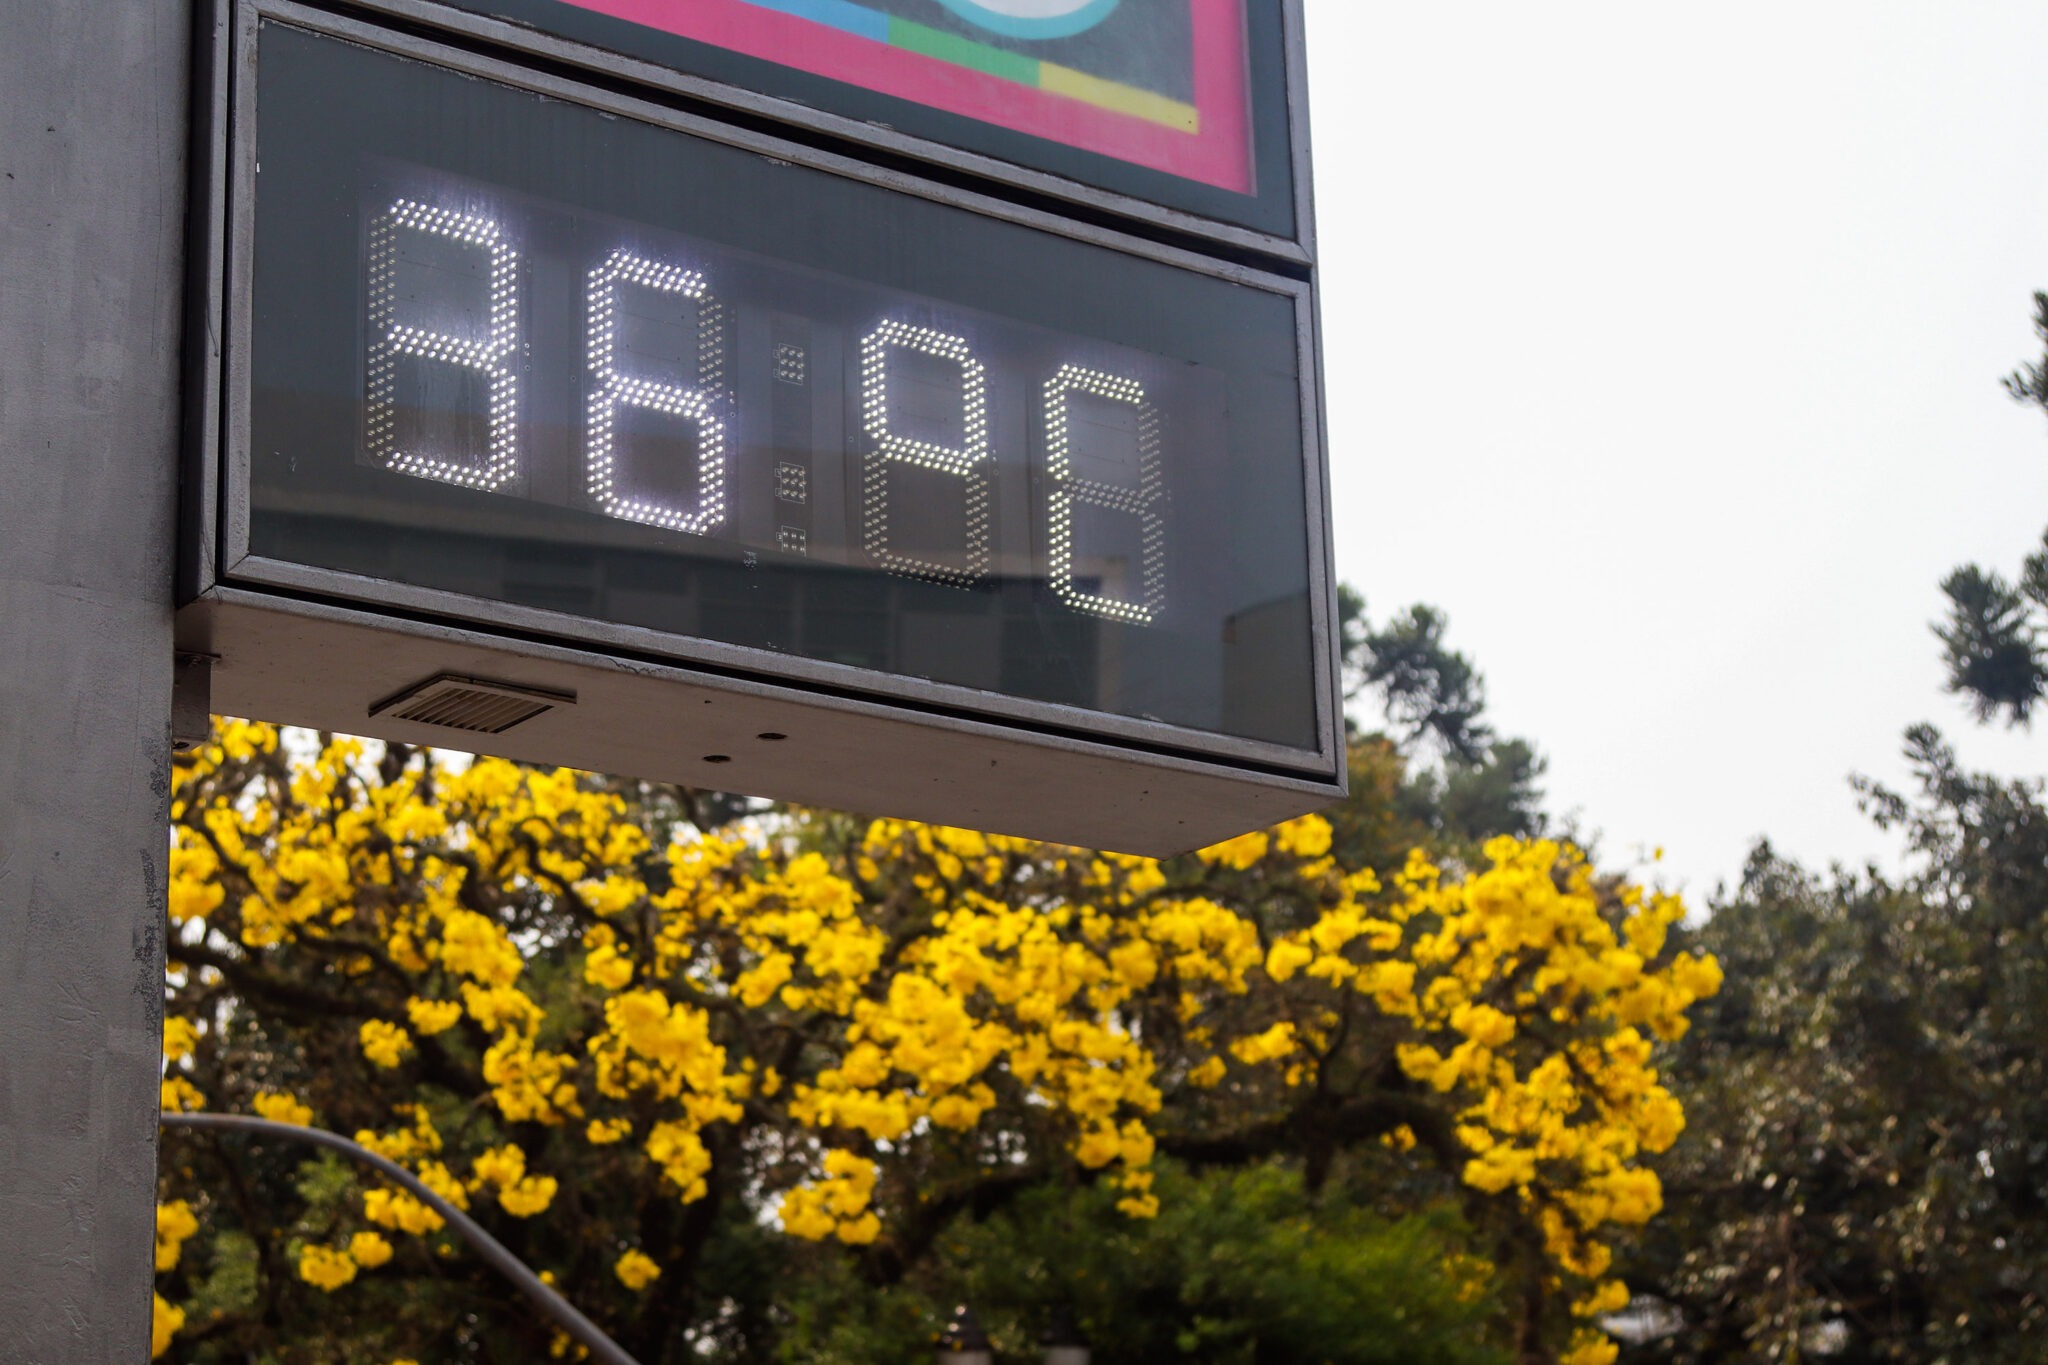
x: 551, y: 392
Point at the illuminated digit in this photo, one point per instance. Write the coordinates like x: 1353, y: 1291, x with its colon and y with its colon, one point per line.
x: 402, y: 235
x: 881, y: 408
x: 1138, y: 496
x: 616, y: 389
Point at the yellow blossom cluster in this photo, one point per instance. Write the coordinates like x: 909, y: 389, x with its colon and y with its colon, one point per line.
x: 1535, y: 997
x: 180, y: 1096
x: 401, y: 1212
x: 384, y: 1042
x: 175, y: 1224
x: 165, y: 1321
x: 413, y: 1145
x: 1528, y: 995
x: 368, y: 1250
x: 329, y: 1268
x: 636, y: 1270
x: 1006, y: 994
x: 177, y: 1095
x: 326, y: 1268
x: 837, y: 1204
x: 180, y: 1037
x: 503, y: 1169
x: 281, y: 1108
x: 1590, y: 1346
x: 638, y: 996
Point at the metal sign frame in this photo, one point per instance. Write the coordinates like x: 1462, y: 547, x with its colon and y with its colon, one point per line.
x: 321, y: 647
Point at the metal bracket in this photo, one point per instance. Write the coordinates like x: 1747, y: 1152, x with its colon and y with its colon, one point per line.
x: 191, y: 700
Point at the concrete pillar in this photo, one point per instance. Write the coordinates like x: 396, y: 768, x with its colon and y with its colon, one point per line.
x: 93, y: 133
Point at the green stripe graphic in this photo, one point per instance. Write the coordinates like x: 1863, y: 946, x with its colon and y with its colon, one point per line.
x: 948, y: 47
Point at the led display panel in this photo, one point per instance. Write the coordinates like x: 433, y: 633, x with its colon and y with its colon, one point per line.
x: 514, y: 350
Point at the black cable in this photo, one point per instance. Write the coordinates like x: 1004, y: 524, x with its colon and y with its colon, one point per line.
x: 602, y: 1347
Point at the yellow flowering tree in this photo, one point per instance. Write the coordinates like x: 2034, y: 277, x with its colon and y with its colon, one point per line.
x: 648, y: 1054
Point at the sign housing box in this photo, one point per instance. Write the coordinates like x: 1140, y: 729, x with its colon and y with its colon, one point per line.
x: 326, y: 639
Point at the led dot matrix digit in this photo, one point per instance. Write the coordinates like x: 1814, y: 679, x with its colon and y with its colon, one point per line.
x: 1070, y: 489
x: 393, y: 339
x: 968, y: 461
x: 693, y: 404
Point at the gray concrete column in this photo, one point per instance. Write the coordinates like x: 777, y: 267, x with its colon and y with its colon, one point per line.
x: 93, y: 130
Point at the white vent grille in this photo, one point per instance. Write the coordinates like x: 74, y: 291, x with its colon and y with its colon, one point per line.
x: 472, y: 704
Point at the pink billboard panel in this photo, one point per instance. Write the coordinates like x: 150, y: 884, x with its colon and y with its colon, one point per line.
x: 1155, y: 83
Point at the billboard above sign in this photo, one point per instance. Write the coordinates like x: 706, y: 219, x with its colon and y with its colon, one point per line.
x: 1156, y: 83
x: 543, y: 404
x: 1182, y: 105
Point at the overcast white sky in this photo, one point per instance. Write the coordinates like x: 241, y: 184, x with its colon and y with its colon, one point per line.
x: 1663, y: 344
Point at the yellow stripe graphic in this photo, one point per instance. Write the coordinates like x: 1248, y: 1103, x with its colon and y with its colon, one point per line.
x: 1124, y: 99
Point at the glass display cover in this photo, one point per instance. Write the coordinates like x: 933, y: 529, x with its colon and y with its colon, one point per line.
x: 520, y: 351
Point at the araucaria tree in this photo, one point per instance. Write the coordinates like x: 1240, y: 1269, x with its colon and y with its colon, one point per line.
x: 659, y: 1060
x: 1991, y: 641
x: 1868, y: 1178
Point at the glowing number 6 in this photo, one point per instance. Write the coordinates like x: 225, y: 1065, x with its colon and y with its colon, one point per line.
x: 614, y: 390
x: 1070, y: 489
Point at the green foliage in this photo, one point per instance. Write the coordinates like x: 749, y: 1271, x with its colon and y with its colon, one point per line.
x: 1467, y: 803
x: 1990, y: 644
x: 1866, y: 1168
x: 1376, y: 826
x: 1242, y: 1267
x: 1431, y: 693
x: 1434, y: 701
x: 2029, y: 383
x: 1991, y: 637
x: 230, y: 1287
x: 1866, y: 1173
